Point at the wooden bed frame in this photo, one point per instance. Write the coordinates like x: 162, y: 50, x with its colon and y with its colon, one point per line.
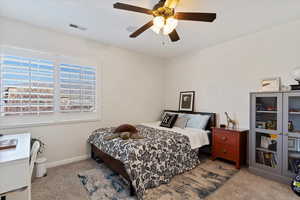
x: 118, y: 167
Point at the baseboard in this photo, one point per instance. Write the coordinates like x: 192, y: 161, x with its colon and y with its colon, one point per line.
x: 67, y: 161
x: 270, y: 175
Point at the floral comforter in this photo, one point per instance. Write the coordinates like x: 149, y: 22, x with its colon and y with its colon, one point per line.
x: 151, y: 161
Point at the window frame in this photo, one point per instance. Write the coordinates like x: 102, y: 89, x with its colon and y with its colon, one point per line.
x: 57, y: 117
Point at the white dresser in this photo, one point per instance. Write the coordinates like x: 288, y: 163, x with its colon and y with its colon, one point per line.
x: 14, y: 168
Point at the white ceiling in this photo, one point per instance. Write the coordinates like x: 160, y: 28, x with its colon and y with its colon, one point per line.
x: 108, y: 25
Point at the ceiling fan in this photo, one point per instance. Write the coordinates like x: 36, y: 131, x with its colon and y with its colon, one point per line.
x: 165, y: 18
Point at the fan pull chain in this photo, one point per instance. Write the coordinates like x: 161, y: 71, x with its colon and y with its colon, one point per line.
x: 163, y: 40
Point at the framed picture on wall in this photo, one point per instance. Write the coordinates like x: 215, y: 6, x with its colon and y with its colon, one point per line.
x: 270, y: 84
x: 186, y: 101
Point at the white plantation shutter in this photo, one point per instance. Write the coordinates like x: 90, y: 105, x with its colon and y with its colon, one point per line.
x: 40, y: 88
x: 77, y: 88
x: 26, y: 86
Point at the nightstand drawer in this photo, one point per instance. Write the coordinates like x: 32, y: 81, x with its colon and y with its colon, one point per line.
x: 225, y: 151
x: 225, y: 137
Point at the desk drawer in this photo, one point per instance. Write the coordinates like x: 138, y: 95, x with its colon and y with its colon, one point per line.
x: 14, y: 175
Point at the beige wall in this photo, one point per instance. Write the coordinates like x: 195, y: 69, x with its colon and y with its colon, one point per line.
x: 132, y: 86
x: 223, y: 75
x: 132, y: 83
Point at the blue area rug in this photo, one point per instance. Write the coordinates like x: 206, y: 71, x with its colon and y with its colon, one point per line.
x: 103, y: 184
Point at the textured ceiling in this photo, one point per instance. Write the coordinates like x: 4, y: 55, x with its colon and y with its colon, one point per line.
x: 110, y: 26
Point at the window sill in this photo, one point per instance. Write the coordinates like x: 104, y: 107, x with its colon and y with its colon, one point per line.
x: 31, y: 125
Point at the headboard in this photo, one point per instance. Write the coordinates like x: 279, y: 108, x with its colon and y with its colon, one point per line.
x: 212, y: 120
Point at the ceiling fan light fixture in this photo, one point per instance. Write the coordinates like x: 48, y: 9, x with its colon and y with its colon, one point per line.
x: 159, y: 21
x: 171, y: 24
x: 165, y: 18
x: 155, y: 29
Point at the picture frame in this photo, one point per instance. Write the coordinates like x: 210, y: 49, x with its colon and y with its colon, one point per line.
x: 270, y: 84
x: 186, y: 101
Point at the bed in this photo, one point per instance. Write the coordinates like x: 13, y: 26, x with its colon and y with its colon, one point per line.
x: 154, y: 160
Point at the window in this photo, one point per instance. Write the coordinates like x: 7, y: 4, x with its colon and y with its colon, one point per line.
x: 27, y: 86
x: 46, y: 86
x: 77, y: 88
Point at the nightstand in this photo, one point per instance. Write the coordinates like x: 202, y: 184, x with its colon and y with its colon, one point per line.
x: 230, y: 144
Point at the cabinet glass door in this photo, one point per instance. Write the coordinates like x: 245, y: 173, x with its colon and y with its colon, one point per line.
x: 266, y: 113
x: 266, y: 150
x: 291, y: 134
x: 267, y: 131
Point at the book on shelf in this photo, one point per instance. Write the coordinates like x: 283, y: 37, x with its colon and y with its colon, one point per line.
x: 268, y: 142
x: 265, y: 141
x: 267, y: 158
x: 294, y: 165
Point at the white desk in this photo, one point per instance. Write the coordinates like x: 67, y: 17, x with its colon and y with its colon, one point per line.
x: 14, y: 165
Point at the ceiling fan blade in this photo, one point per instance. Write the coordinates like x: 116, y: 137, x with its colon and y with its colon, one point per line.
x: 174, y: 36
x: 142, y: 29
x: 171, y: 3
x: 204, y: 17
x: 128, y: 7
